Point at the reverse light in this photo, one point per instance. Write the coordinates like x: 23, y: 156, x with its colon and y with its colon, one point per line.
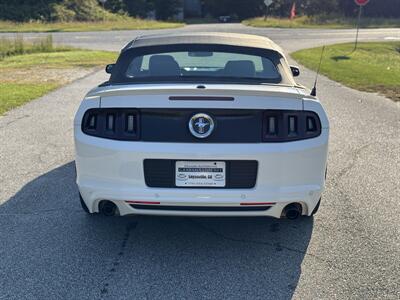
x: 272, y: 125
x: 110, y: 122
x: 292, y: 125
x: 130, y: 126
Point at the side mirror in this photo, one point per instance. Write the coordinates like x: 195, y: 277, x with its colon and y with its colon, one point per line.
x: 109, y: 68
x: 295, y: 71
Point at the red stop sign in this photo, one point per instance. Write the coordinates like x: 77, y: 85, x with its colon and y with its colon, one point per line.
x: 361, y: 2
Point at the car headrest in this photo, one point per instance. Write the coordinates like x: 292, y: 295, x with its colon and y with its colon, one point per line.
x: 240, y: 68
x: 163, y: 65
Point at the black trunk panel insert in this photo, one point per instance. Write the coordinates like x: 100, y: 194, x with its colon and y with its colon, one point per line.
x: 171, y: 125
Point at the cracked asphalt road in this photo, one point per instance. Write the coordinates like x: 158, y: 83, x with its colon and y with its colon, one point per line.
x: 49, y: 249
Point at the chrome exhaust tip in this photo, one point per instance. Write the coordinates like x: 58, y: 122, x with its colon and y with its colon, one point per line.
x: 292, y: 211
x: 107, y: 208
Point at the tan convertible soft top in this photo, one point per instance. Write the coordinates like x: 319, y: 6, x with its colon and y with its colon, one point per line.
x: 219, y: 38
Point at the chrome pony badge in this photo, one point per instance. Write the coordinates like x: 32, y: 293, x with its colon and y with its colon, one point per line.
x: 201, y: 125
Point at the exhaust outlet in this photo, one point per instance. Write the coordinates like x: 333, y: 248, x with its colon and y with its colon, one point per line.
x: 107, y: 208
x: 292, y: 211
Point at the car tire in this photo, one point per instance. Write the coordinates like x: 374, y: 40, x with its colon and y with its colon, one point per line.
x: 316, y: 208
x: 83, y: 204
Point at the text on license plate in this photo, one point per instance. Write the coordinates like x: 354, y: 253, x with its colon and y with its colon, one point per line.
x: 200, y: 173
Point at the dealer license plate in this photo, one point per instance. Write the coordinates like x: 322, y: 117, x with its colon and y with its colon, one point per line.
x: 200, y: 173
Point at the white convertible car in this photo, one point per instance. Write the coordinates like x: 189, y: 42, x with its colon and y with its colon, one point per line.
x: 201, y: 124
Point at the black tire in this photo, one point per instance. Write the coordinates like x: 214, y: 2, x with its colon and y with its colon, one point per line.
x: 316, y: 208
x: 83, y: 204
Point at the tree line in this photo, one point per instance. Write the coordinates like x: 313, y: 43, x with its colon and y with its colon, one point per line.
x: 89, y: 10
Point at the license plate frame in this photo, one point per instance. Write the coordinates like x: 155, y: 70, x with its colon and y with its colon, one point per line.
x: 200, y: 173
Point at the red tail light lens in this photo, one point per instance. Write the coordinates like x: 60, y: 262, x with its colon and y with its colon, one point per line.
x: 112, y: 123
x: 289, y: 125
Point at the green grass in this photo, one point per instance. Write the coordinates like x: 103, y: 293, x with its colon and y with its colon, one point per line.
x: 321, y: 22
x: 61, y: 59
x: 18, y: 46
x: 15, y: 94
x: 40, y: 69
x: 374, y: 67
x: 120, y: 24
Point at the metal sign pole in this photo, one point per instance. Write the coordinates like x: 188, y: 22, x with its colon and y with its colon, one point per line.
x: 267, y: 4
x: 360, y: 3
x: 358, y: 28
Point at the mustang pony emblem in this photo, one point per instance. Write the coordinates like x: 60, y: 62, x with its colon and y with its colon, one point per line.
x: 201, y: 125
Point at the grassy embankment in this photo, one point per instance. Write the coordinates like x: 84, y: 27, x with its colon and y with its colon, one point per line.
x: 30, y: 70
x: 374, y: 67
x: 321, y: 22
x: 122, y: 23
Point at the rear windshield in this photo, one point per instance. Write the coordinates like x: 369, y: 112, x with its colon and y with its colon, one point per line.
x: 231, y: 64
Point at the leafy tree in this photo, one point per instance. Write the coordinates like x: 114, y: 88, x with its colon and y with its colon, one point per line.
x: 80, y: 10
x: 25, y: 10
x: 239, y: 8
x: 166, y: 9
x: 347, y: 8
x: 116, y: 6
x: 138, y: 8
x: 317, y: 7
x: 69, y: 10
x: 281, y: 8
x: 384, y: 8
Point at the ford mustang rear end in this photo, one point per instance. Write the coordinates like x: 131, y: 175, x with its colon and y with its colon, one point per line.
x: 201, y: 125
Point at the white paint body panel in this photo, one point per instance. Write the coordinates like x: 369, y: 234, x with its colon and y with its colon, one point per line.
x: 287, y: 172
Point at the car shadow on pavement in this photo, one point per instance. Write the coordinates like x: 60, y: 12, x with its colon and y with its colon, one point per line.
x: 51, y: 247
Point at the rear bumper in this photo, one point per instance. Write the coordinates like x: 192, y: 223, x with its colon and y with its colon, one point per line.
x: 287, y: 172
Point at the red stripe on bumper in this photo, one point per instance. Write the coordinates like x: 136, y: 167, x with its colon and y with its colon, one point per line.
x: 258, y: 203
x: 142, y: 202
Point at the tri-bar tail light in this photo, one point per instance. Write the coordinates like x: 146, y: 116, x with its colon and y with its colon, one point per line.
x: 288, y: 125
x: 112, y: 123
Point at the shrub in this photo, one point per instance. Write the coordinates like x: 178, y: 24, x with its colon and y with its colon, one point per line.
x: 62, y: 14
x: 55, y: 11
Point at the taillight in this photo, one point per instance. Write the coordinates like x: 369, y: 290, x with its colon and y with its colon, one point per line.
x: 112, y: 123
x: 290, y: 125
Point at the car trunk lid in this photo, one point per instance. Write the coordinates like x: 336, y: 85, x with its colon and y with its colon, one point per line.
x: 200, y: 96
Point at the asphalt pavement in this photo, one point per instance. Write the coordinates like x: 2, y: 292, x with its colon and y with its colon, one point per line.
x: 289, y: 39
x: 50, y: 249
